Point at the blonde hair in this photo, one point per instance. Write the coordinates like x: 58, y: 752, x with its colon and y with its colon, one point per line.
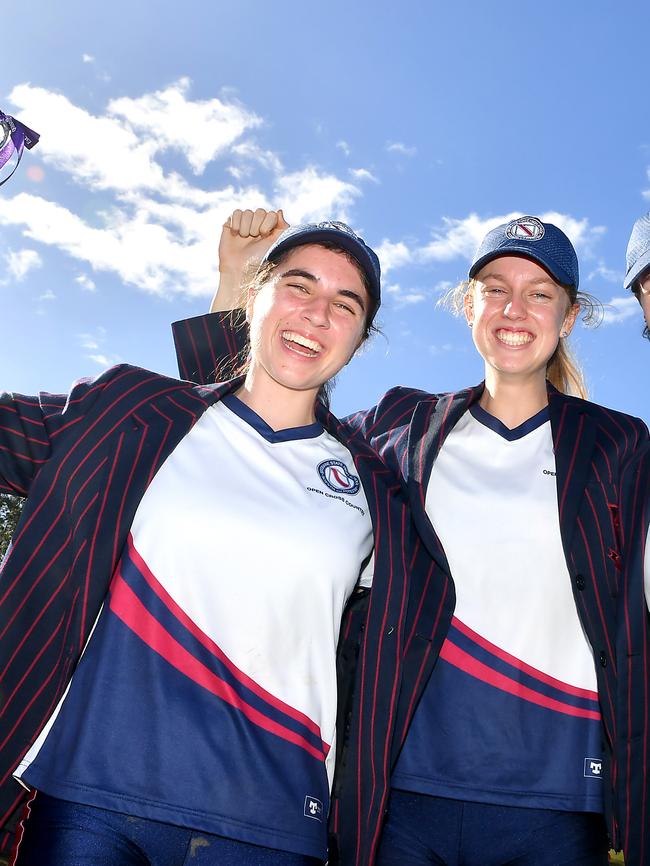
x: 563, y: 370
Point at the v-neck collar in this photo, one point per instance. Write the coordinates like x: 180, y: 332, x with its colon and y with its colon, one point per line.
x: 308, y: 431
x: 484, y: 417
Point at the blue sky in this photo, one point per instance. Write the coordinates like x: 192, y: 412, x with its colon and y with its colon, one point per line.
x: 422, y: 124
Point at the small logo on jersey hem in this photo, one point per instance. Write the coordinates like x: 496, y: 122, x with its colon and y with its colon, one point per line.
x: 548, y: 472
x: 593, y: 768
x: 525, y: 229
x: 336, y: 475
x: 313, y: 808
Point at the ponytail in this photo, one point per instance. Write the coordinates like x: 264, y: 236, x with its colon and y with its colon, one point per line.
x: 564, y: 373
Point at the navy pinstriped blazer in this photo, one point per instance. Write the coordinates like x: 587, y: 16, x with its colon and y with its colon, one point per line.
x: 592, y: 445
x: 84, y: 461
x: 634, y: 669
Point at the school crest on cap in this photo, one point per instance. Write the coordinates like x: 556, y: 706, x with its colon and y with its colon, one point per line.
x: 525, y: 229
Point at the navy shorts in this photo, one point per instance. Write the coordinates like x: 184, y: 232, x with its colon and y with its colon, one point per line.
x: 435, y: 831
x: 59, y: 833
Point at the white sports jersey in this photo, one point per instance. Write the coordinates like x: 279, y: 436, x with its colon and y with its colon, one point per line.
x: 207, y: 694
x: 510, y: 714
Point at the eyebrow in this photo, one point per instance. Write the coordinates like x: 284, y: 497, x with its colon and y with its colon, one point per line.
x: 535, y: 280
x: 306, y: 275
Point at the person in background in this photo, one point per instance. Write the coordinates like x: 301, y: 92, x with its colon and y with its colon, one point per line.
x: 525, y: 738
x: 637, y: 275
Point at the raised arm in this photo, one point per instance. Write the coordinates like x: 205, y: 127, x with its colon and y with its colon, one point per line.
x: 204, y: 344
x: 245, y: 237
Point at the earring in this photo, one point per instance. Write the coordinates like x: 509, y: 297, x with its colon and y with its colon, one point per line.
x: 564, y: 334
x: 470, y: 324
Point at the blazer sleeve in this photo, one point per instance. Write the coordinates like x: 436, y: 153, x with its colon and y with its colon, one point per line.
x: 393, y: 412
x: 27, y: 428
x: 31, y: 426
x: 209, y: 347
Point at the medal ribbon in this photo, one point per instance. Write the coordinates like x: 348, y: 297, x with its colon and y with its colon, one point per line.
x: 14, y: 137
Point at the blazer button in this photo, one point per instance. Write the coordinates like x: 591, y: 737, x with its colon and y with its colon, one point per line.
x: 580, y: 582
x: 603, y: 660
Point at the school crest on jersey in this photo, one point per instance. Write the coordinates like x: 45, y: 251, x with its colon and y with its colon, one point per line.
x: 336, y: 475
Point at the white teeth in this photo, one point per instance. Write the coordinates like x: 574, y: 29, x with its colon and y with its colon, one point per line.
x: 514, y: 338
x: 293, y: 337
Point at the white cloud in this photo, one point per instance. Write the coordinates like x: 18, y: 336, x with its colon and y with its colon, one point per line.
x: 156, y: 230
x: 344, y: 146
x: 458, y: 238
x: 48, y: 295
x: 103, y: 361
x: 363, y: 174
x: 393, y: 255
x: 92, y: 341
x: 86, y: 283
x: 251, y: 152
x: 401, y: 148
x: 21, y: 262
x: 239, y: 172
x: 201, y: 129
x: 139, y: 250
x: 87, y: 58
x: 604, y: 273
x: 310, y: 195
x: 117, y: 151
x: 621, y: 308
x: 461, y: 237
x: 95, y: 151
x: 404, y: 297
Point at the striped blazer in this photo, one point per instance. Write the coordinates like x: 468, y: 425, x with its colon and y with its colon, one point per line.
x: 592, y: 446
x: 84, y: 461
x: 634, y: 670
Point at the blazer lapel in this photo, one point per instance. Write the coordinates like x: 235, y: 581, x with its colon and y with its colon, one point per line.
x: 178, y: 416
x: 431, y: 424
x: 574, y: 437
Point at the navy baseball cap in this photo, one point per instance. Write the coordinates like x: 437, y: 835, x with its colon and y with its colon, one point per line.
x: 528, y: 236
x: 342, y: 236
x: 638, y: 251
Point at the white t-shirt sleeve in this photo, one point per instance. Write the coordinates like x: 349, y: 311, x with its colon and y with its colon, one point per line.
x: 368, y: 571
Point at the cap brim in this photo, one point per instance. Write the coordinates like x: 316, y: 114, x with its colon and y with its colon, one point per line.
x: 640, y: 265
x: 558, y: 273
x: 341, y: 240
